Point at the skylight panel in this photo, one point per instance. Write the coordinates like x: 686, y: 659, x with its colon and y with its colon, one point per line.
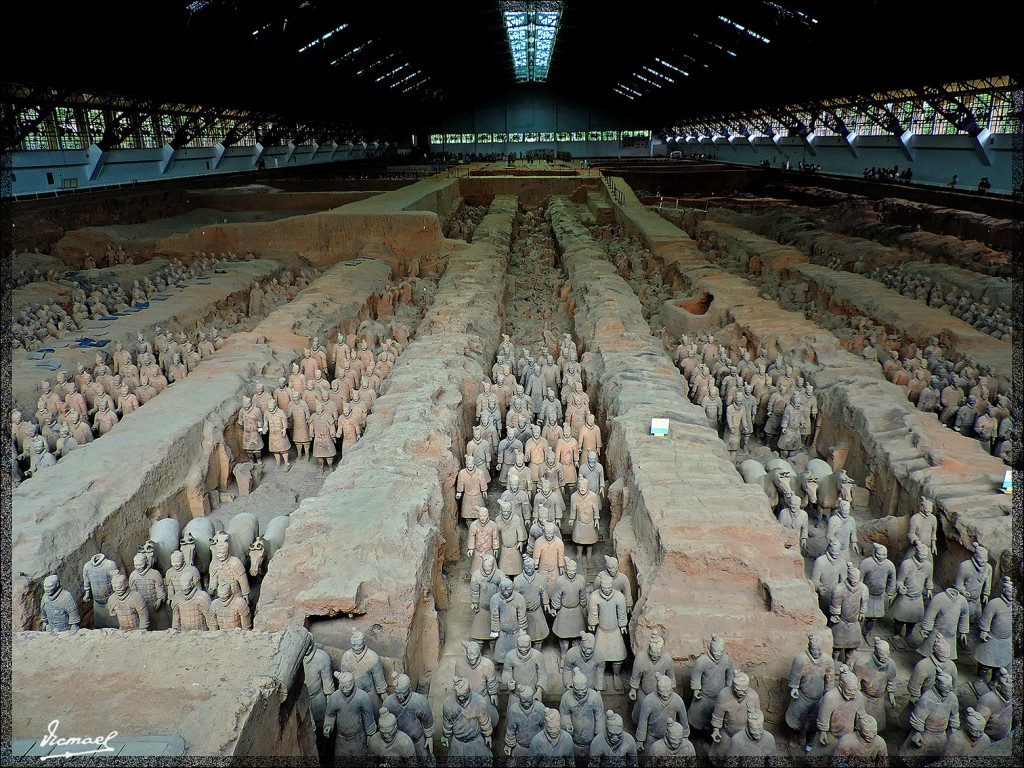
x: 322, y: 37
x: 646, y: 80
x: 531, y: 28
x: 655, y: 72
x: 672, y: 67
x: 792, y: 13
x: 741, y: 28
x: 621, y: 92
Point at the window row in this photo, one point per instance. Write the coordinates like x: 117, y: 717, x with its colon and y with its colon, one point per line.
x: 627, y: 137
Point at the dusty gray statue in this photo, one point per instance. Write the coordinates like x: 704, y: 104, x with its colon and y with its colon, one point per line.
x: 350, y: 715
x: 365, y: 665
x: 127, y: 605
x: 59, y: 610
x: 415, y: 718
x: 318, y: 680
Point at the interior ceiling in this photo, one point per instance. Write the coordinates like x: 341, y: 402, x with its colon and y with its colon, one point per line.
x: 206, y: 52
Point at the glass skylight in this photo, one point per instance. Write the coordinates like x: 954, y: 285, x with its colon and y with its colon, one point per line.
x: 531, y: 27
x: 741, y: 28
x: 322, y: 37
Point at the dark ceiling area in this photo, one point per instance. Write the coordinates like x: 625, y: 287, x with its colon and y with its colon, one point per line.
x: 408, y: 64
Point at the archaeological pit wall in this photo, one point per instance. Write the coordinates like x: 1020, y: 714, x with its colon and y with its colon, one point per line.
x: 229, y: 694
x: 681, y: 498
x: 366, y: 553
x: 902, y: 452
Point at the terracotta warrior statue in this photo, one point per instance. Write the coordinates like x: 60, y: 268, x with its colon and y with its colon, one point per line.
x: 350, y: 712
x: 483, y: 585
x: 879, y: 575
x: 846, y: 612
x: 613, y: 746
x: 568, y: 607
x: 147, y: 581
x: 607, y: 619
x: 484, y: 538
x: 809, y: 677
x: 972, y: 742
x: 389, y: 743
x: 277, y: 429
x: 877, y: 674
x: 994, y: 649
x: 585, y: 519
x: 536, y: 598
x: 862, y: 748
x: 58, y: 610
x: 752, y: 743
x: 230, y: 610
x: 322, y: 430
x: 619, y: 580
x: 582, y: 712
x: 466, y: 724
x: 481, y: 674
x: 365, y: 665
x: 913, y: 587
x: 584, y: 657
x: 226, y: 568
x: 97, y: 580
x: 254, y: 426
x: 647, y: 668
x: 191, y: 607
x: 839, y: 707
x: 659, y: 708
x: 127, y: 605
x: 524, y: 665
x: 712, y: 673
x: 415, y: 718
x: 550, y: 745
x: 471, y: 489
x: 935, y: 715
x: 508, y: 618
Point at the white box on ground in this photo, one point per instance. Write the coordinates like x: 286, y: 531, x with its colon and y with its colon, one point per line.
x: 659, y: 427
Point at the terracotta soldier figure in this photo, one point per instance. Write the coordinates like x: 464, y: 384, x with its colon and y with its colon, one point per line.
x: 552, y: 745
x: 323, y: 430
x: 549, y: 555
x: 584, y: 657
x: 927, y: 669
x: 350, y: 429
x: 466, y: 724
x: 225, y: 568
x: 712, y: 673
x: 847, y: 610
x: 730, y: 713
x: 277, y: 429
x: 659, y: 708
x: 127, y: 605
x: 924, y: 526
x: 523, y: 720
x: 972, y: 742
x: 548, y: 504
x: 647, y: 668
x: 997, y: 706
x: 365, y: 665
x: 484, y: 538
x: 483, y: 586
x: 58, y: 609
x: 947, y: 613
x: 935, y: 715
x: 913, y: 587
x: 674, y: 749
x: 508, y: 618
x: 532, y: 587
x: 511, y: 539
x: 148, y: 582
x: 97, y: 581
x: 613, y: 746
x: 619, y: 580
x: 974, y: 581
x: 585, y: 518
x: 828, y: 572
x: 299, y: 416
x: 349, y: 710
x: 809, y: 677
x: 879, y: 575
x: 594, y: 474
x: 230, y: 610
x: 843, y: 528
x: 863, y: 747
x: 471, y: 488
x: 582, y: 712
x: 839, y: 707
x: 524, y: 665
x: 752, y: 743
x: 415, y: 718
x: 994, y: 649
x: 877, y: 674
x: 191, y: 607
x: 254, y: 426
x: 389, y: 744
x: 607, y: 619
x: 568, y: 607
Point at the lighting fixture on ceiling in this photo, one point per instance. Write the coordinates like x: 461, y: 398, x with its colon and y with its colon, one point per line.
x: 531, y: 27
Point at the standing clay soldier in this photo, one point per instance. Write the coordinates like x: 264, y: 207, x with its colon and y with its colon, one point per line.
x: 148, y: 582
x: 913, y: 587
x: 466, y: 724
x: 524, y: 719
x: 365, y: 665
x: 97, y: 578
x: 481, y: 674
x: 390, y: 745
x: 349, y: 428
x: 930, y: 667
x: 415, y: 719
x: 995, y: 648
x: 879, y: 575
x: 58, y: 610
x: 935, y: 715
x: 594, y: 474
x: 997, y: 706
x: 471, y: 488
x: 584, y: 657
x: 484, y: 538
x: 647, y: 668
x: 230, y: 610
x: 613, y: 746
x: 324, y: 449
x: 548, y: 504
x: 948, y: 614
x: 877, y: 674
x: 511, y: 538
x: 253, y: 425
x: 794, y: 518
x: 349, y: 710
x: 585, y: 518
x: 838, y: 709
x: 863, y: 748
x: 607, y: 619
x: 277, y: 429
x: 191, y: 607
x: 659, y: 708
x: 298, y: 415
x: 552, y: 746
x: 508, y: 618
x: 105, y: 419
x: 924, y: 526
x: 674, y: 749
x: 180, y: 574
x: 619, y: 580
x: 843, y: 528
x: 730, y: 713
x: 752, y: 743
x: 809, y: 676
x: 974, y: 581
x: 847, y: 610
x: 535, y: 595
x: 549, y: 555
x: 483, y: 585
x: 582, y: 712
x: 568, y: 607
x: 735, y: 413
x: 828, y: 572
x: 712, y: 673
x: 524, y: 665
x: 127, y: 605
x: 972, y: 742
